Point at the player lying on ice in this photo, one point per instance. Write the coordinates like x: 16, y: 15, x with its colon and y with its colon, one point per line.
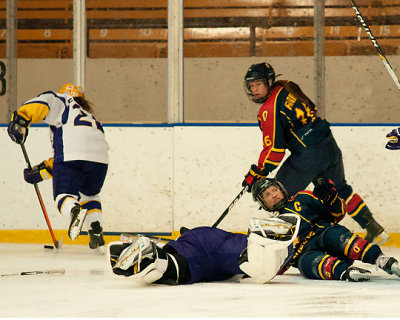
x: 304, y: 234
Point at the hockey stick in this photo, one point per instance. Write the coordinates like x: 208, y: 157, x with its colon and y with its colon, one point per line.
x: 30, y: 273
x: 230, y: 207
x: 376, y: 45
x: 28, y: 163
x: 127, y: 235
x: 131, y: 235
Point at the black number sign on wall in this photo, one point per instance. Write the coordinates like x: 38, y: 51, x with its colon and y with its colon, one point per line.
x: 2, y: 78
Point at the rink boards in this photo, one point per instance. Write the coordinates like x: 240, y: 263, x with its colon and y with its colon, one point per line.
x: 162, y: 177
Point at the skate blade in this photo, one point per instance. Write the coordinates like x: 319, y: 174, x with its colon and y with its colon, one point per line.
x: 381, y: 238
x: 76, y: 227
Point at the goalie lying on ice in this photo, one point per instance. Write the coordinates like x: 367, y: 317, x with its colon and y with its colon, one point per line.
x: 323, y: 249
x: 207, y: 254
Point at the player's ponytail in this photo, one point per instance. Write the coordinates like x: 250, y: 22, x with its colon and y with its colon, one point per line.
x: 295, y: 90
x: 85, y: 104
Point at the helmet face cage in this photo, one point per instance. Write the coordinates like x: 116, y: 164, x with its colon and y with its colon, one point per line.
x: 264, y: 184
x: 262, y: 71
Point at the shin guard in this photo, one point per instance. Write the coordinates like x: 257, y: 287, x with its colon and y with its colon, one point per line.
x: 358, y: 210
x: 319, y: 265
x: 357, y: 248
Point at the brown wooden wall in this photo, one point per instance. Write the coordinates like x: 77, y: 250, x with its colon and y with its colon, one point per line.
x: 213, y: 28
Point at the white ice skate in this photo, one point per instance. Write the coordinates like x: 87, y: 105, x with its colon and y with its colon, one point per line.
x: 354, y: 274
x: 388, y: 264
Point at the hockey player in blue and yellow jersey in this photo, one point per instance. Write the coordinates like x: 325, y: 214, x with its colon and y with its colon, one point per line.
x: 80, y: 156
x: 325, y: 249
x: 288, y: 120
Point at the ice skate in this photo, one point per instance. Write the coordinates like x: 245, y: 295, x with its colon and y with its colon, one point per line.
x: 140, y: 249
x: 376, y: 234
x: 96, y: 242
x: 388, y: 264
x: 354, y: 274
x: 78, y: 216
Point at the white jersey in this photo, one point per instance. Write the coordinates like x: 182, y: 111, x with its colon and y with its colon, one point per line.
x: 75, y: 134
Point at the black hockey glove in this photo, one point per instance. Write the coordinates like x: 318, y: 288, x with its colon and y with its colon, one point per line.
x: 394, y: 140
x: 18, y: 128
x: 37, y: 173
x: 253, y: 176
x: 326, y: 191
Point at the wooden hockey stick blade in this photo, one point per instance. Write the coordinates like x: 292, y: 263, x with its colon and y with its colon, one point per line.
x: 30, y: 273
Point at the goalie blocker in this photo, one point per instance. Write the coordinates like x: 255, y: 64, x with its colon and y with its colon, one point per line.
x: 207, y: 254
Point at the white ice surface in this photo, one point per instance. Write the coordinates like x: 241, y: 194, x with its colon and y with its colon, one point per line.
x: 88, y: 289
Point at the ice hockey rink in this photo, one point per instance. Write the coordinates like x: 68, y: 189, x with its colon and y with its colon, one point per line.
x: 89, y: 290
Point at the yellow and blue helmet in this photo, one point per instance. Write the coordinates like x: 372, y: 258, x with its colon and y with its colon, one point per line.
x: 72, y: 90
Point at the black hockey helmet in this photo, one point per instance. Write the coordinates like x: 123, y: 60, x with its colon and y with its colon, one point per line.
x: 261, y: 185
x: 260, y: 71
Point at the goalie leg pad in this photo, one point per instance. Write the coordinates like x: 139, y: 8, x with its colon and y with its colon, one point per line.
x: 140, y: 248
x: 269, y: 248
x: 273, y: 228
x: 141, y: 259
x: 263, y: 263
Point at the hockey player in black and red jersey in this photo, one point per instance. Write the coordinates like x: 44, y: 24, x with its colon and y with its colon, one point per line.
x: 324, y: 249
x: 288, y: 120
x: 80, y: 156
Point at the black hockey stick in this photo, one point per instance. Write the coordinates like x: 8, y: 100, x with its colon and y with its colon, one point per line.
x: 28, y: 163
x: 375, y: 43
x: 241, y: 193
x: 184, y: 229
x: 131, y: 235
x: 30, y: 273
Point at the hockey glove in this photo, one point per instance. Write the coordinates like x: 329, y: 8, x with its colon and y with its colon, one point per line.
x: 253, y: 176
x: 18, y: 128
x: 326, y: 191
x: 394, y: 142
x: 38, y: 173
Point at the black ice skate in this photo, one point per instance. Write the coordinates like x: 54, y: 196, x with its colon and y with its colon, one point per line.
x: 376, y: 234
x: 78, y: 216
x: 388, y: 264
x: 96, y: 242
x: 355, y: 274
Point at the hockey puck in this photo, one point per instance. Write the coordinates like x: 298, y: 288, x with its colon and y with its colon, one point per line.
x: 47, y: 246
